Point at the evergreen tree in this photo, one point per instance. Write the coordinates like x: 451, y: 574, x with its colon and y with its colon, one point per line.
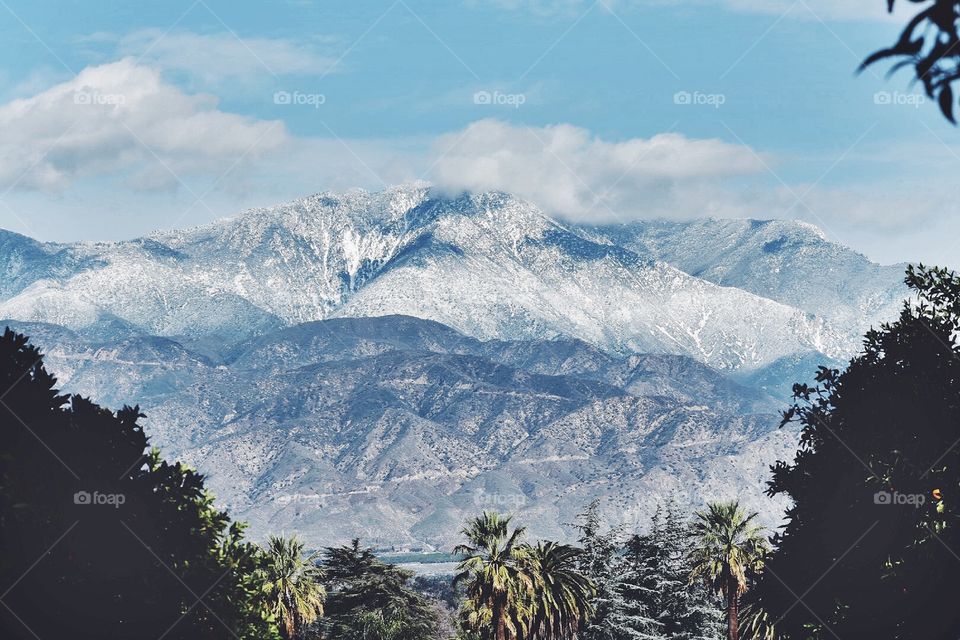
x: 694, y: 611
x: 659, y: 565
x: 372, y: 600
x: 616, y: 615
x: 643, y: 585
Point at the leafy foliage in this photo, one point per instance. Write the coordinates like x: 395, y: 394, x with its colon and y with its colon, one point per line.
x: 515, y: 590
x: 560, y: 595
x: 868, y: 550
x: 496, y: 572
x: 729, y: 549
x: 930, y: 44
x: 101, y: 538
x: 293, y: 590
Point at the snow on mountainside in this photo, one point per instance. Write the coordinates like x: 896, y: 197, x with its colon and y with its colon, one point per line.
x: 386, y: 364
x: 488, y: 265
x: 790, y: 262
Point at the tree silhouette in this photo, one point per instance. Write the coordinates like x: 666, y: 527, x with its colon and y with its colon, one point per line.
x: 101, y: 538
x: 871, y: 541
x: 930, y: 44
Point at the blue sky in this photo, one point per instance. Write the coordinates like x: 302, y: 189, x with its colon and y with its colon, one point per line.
x: 119, y: 118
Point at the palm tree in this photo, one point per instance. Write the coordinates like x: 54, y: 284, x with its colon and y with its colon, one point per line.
x: 561, y: 594
x: 728, y: 547
x: 495, y: 567
x: 292, y: 585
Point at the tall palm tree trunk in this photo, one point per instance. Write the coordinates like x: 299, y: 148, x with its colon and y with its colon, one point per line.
x: 733, y: 611
x: 501, y: 629
x: 500, y: 623
x: 289, y: 623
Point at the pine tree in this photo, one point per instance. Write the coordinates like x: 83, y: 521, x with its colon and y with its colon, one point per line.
x: 695, y: 613
x: 370, y: 599
x: 617, y: 615
x: 658, y: 567
x: 641, y: 578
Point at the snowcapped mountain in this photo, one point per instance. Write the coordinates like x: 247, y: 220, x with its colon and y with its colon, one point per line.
x: 488, y: 265
x: 787, y: 261
x: 386, y: 364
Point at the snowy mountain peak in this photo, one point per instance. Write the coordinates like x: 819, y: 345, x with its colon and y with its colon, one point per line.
x: 733, y: 294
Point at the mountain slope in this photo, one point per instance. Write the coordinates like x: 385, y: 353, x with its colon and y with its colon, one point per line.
x: 488, y: 265
x: 396, y: 428
x: 386, y: 364
x: 787, y: 261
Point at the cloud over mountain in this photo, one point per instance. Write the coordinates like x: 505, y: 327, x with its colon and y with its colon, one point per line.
x: 575, y: 174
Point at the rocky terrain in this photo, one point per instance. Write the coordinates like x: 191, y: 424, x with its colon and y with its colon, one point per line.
x: 386, y: 364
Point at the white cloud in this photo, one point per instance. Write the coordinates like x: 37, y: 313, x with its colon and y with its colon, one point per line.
x: 124, y: 120
x: 889, y: 221
x: 122, y: 117
x: 224, y: 56
x: 571, y: 173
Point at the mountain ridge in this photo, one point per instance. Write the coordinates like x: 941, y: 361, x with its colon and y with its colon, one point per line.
x: 407, y: 426
x: 401, y: 251
x: 386, y: 364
